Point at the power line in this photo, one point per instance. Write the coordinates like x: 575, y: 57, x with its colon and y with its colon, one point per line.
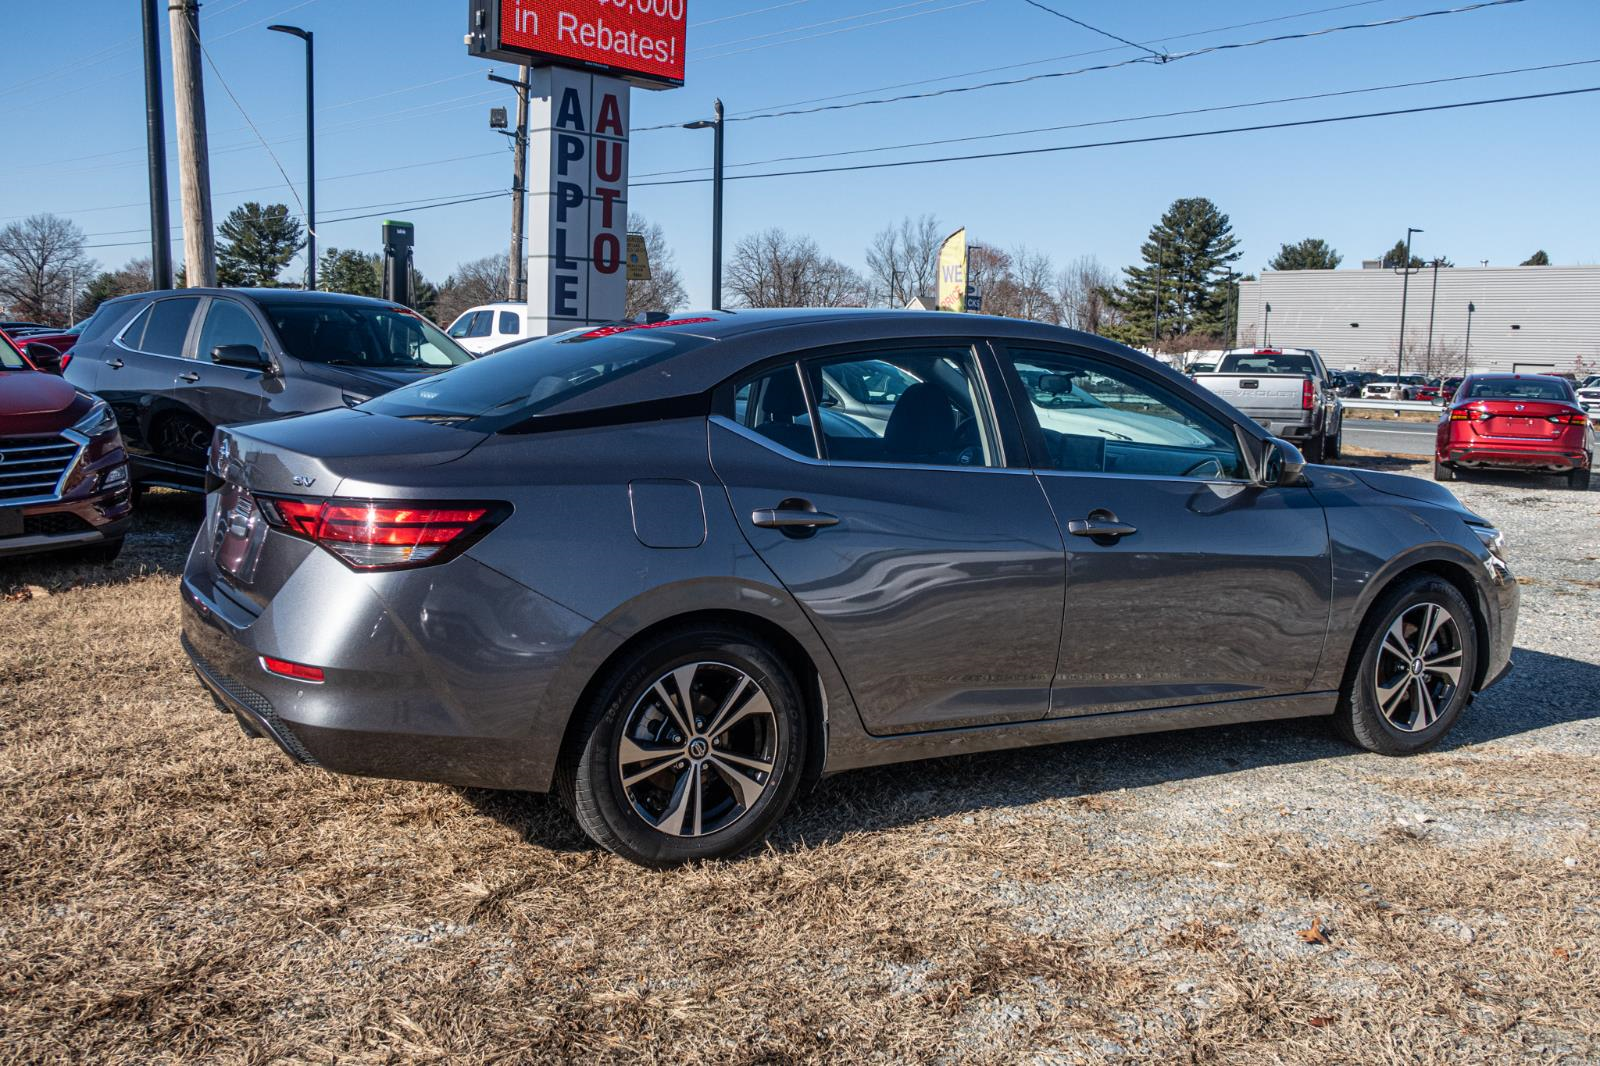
x: 842, y: 29
x: 1136, y: 118
x: 1127, y: 141
x: 747, y: 14
x: 1094, y: 29
x: 1171, y: 58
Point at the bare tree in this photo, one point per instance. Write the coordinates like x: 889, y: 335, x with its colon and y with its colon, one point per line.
x: 775, y: 269
x: 903, y: 261
x: 43, y: 267
x: 1035, y: 280
x: 1081, y: 293
x: 664, y: 290
x: 480, y: 281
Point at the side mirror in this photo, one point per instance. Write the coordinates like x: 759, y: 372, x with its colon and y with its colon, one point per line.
x: 43, y: 356
x: 1281, y: 464
x: 243, y: 355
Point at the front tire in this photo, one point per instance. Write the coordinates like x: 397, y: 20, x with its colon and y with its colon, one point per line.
x: 1411, y: 669
x: 692, y: 748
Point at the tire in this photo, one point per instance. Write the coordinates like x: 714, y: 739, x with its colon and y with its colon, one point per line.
x: 1578, y: 479
x: 1336, y: 445
x: 103, y: 554
x: 1442, y: 472
x: 1385, y: 719
x: 656, y: 816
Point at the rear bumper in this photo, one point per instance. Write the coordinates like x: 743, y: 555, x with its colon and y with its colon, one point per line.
x: 1503, y: 456
x: 421, y: 683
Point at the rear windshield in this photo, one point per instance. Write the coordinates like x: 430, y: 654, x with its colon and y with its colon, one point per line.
x: 1519, y: 389
x: 361, y: 335
x: 1267, y: 363
x: 525, y: 380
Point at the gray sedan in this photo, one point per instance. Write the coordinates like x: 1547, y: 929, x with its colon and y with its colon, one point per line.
x: 676, y: 571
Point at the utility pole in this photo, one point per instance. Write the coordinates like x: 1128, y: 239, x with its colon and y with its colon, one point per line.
x: 155, y: 124
x: 716, y: 126
x: 517, y: 263
x: 194, y: 166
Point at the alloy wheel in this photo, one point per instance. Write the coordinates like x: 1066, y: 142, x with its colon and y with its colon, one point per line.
x: 698, y: 749
x: 1419, y: 667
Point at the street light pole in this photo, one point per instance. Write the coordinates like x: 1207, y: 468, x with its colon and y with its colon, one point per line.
x: 716, y: 126
x: 1155, y: 329
x: 156, y: 145
x: 1466, y: 356
x: 311, y: 155
x: 1405, y: 289
x: 1266, y: 328
x: 1433, y: 303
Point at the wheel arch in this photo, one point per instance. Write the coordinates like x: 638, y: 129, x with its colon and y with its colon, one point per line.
x: 1449, y: 568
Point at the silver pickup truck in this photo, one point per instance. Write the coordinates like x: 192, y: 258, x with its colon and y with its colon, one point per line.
x: 1287, y: 391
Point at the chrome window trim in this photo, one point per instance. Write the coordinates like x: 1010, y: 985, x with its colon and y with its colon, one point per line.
x: 751, y: 435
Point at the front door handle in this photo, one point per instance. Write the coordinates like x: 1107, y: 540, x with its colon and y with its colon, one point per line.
x: 115, y: 364
x: 1100, y: 524
x: 792, y: 518
x: 191, y: 377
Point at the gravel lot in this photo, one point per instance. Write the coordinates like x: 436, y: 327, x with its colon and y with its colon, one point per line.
x: 1258, y: 893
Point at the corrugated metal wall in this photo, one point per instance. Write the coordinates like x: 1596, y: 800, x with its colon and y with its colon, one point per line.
x: 1530, y: 318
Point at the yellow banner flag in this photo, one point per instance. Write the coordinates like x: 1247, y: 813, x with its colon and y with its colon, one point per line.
x: 953, y: 272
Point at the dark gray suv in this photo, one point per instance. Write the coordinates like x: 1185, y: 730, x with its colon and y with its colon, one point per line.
x: 675, y: 571
x: 175, y: 365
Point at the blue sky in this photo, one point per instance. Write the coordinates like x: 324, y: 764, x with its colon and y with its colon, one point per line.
x: 399, y: 96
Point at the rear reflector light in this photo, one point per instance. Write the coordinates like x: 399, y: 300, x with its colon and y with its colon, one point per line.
x: 384, y: 535
x: 295, y: 671
x: 1305, y: 395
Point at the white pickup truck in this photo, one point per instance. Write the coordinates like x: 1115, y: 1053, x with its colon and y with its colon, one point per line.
x: 1287, y: 391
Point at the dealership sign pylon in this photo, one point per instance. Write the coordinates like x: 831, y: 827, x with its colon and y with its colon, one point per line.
x: 586, y: 55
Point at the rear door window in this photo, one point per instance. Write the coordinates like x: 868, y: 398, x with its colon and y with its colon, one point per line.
x: 161, y: 330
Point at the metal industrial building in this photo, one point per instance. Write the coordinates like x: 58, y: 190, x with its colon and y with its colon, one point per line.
x: 1530, y: 319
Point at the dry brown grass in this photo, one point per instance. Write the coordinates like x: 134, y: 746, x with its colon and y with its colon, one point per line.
x: 172, y: 892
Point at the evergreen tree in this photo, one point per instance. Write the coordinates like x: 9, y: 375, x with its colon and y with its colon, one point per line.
x: 258, y: 242
x: 1188, y: 261
x: 347, y: 270
x: 1396, y: 256
x: 1312, y: 253
x: 1538, y: 259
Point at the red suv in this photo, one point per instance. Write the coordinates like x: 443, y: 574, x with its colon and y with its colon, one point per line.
x: 1527, y: 422
x: 63, y: 473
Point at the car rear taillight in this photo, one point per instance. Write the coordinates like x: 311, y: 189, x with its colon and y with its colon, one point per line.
x: 385, y: 535
x: 1567, y: 420
x: 294, y: 671
x: 1305, y: 395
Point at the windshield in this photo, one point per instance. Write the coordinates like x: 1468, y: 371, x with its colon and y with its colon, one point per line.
x: 361, y: 335
x: 1267, y: 363
x: 1519, y: 389
x: 10, y: 358
x: 527, y: 379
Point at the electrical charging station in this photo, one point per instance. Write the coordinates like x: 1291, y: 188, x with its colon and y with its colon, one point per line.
x: 586, y: 56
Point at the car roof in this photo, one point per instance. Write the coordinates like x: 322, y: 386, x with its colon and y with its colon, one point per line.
x: 275, y: 295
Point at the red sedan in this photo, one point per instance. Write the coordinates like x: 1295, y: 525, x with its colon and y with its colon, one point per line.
x: 1527, y: 422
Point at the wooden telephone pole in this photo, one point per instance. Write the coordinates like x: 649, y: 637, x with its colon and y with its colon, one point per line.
x: 194, y: 165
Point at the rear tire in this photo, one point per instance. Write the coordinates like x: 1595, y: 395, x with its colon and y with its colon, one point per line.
x: 1442, y: 472
x: 657, y: 782
x: 1578, y: 479
x: 1390, y: 705
x: 1316, y: 449
x: 1336, y: 445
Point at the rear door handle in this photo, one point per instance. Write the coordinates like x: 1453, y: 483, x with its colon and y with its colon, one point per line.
x: 191, y: 377
x: 791, y: 518
x: 1098, y: 526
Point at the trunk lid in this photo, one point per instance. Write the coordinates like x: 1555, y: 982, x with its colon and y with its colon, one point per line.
x: 1520, y: 419
x: 307, y: 457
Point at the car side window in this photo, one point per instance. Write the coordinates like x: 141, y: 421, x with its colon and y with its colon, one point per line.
x: 1098, y: 418
x: 229, y: 323
x: 510, y: 323
x: 914, y: 406
x: 773, y: 405
x: 482, y: 324
x: 459, y: 327
x: 162, y: 328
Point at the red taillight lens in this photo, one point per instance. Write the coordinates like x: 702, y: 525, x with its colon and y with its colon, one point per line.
x: 1568, y: 420
x: 1305, y: 395
x: 1461, y: 416
x: 294, y: 671
x: 383, y: 536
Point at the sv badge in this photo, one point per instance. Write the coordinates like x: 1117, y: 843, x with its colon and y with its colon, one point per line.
x: 302, y: 481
